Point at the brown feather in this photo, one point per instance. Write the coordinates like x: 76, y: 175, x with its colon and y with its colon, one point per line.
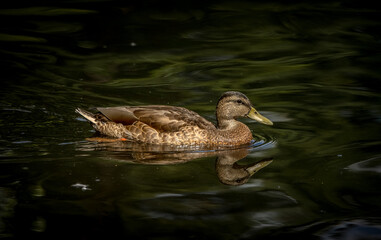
x: 161, y: 117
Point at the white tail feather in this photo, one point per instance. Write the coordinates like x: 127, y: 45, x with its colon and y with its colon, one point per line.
x: 88, y: 115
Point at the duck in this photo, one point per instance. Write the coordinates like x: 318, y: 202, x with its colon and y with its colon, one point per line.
x: 178, y: 126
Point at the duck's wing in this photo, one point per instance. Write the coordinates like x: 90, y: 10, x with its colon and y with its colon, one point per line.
x: 161, y: 117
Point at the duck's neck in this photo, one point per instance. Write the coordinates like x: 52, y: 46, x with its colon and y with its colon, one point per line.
x: 224, y: 124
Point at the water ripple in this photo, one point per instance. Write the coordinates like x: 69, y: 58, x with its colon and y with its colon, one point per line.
x: 369, y: 165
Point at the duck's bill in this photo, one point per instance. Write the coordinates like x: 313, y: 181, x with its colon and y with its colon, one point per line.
x: 255, y: 115
x: 258, y: 166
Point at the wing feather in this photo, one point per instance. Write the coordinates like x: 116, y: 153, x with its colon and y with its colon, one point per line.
x: 161, y: 117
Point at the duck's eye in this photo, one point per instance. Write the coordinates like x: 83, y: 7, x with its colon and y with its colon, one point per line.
x: 239, y: 101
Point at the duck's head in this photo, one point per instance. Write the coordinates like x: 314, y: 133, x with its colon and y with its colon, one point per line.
x: 233, y: 105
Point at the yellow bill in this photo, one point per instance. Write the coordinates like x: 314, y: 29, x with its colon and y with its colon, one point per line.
x: 255, y: 115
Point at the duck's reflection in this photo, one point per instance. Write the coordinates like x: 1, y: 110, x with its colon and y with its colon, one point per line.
x: 228, y: 170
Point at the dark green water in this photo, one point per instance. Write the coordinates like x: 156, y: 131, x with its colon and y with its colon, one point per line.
x: 312, y: 68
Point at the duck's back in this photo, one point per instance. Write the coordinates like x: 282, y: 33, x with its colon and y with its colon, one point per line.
x: 155, y: 124
x: 160, y: 117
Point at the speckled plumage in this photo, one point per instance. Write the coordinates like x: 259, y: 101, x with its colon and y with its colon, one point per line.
x: 169, y: 125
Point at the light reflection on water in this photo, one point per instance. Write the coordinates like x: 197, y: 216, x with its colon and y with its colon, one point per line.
x: 313, y: 69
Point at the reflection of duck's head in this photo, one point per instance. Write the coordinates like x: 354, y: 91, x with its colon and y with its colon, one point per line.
x: 231, y: 173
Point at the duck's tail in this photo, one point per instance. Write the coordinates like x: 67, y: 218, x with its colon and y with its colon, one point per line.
x: 106, y: 127
x: 88, y: 115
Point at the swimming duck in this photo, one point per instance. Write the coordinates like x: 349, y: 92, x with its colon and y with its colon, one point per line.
x: 169, y: 125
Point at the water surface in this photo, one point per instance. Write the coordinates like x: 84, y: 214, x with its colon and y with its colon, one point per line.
x: 312, y: 68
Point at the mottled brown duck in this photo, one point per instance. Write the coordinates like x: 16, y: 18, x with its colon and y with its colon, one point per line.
x: 169, y: 125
